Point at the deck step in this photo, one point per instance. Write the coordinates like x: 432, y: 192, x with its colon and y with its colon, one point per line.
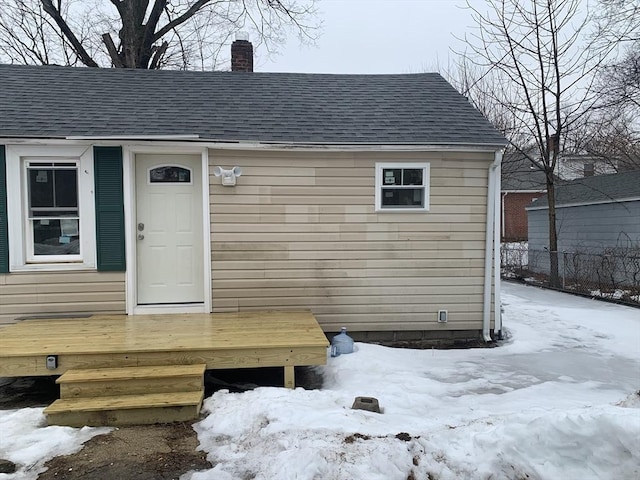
x: 107, y: 382
x: 125, y: 409
x: 128, y: 395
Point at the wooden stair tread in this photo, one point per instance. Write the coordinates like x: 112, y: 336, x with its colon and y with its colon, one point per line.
x: 130, y: 373
x: 149, y: 400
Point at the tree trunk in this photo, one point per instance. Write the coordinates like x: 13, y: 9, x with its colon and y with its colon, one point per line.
x: 554, y: 278
x: 132, y: 34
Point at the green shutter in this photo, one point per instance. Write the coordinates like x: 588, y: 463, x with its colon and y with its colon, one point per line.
x: 4, y: 227
x: 109, y: 209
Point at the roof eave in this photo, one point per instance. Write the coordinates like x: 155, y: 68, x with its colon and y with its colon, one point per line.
x: 584, y: 204
x: 248, y: 144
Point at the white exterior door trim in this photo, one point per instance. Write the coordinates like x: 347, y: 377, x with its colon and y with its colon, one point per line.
x: 129, y: 185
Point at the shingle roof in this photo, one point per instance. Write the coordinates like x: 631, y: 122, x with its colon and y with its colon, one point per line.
x: 52, y: 101
x: 518, y: 173
x: 600, y: 188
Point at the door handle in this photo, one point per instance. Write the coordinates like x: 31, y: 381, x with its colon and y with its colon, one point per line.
x: 140, y: 227
x: 140, y: 236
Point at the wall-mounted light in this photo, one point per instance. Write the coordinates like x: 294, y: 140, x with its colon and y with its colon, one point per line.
x: 52, y: 362
x: 228, y: 176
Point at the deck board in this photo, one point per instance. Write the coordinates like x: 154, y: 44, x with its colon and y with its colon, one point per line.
x: 221, y: 340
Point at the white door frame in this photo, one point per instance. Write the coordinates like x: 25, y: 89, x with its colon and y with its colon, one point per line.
x: 129, y: 185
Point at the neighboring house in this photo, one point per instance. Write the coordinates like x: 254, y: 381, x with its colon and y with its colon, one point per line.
x: 368, y: 199
x: 593, y: 215
x: 570, y: 167
x: 522, y: 183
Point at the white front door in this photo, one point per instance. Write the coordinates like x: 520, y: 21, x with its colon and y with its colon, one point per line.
x: 169, y: 235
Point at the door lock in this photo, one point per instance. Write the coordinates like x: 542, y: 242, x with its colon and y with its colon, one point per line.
x: 140, y: 236
x: 140, y: 227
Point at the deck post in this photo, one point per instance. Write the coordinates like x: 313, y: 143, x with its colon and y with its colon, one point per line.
x: 289, y: 376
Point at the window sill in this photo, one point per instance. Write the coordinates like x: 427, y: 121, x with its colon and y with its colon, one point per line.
x: 52, y: 267
x: 402, y: 210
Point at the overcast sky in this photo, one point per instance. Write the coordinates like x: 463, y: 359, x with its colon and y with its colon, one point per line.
x: 376, y: 36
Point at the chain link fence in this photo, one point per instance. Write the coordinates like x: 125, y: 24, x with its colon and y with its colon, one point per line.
x: 613, y: 273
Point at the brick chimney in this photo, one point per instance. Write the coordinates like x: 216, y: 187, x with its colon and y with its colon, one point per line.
x: 241, y: 54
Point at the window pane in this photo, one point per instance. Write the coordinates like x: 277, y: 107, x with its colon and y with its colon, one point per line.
x: 41, y: 187
x: 402, y: 197
x: 53, y: 192
x: 56, y: 237
x: 170, y: 175
x: 391, y: 176
x: 412, y: 176
x: 66, y: 188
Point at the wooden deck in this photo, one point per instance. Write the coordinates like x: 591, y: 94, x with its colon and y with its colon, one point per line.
x: 233, y: 340
x: 121, y: 370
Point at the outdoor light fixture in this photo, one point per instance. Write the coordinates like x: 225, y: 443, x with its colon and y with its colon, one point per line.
x: 52, y: 362
x: 228, y: 176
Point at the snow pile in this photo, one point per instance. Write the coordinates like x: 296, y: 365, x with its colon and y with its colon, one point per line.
x: 29, y: 443
x: 555, y: 400
x: 599, y: 442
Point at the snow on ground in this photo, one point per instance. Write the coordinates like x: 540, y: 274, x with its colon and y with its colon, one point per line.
x: 28, y: 442
x: 556, y: 400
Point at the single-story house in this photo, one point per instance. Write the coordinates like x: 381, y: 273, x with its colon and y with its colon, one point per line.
x: 522, y: 183
x: 594, y: 215
x: 369, y: 199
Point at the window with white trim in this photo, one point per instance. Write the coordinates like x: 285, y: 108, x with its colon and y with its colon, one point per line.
x: 51, y: 208
x: 53, y: 216
x: 402, y: 187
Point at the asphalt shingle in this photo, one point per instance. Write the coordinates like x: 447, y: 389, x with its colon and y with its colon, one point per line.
x: 518, y: 174
x: 600, y: 188
x: 59, y: 102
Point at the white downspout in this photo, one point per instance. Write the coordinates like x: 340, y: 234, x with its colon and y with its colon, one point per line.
x: 492, y: 195
x: 497, y: 304
x: 503, y: 221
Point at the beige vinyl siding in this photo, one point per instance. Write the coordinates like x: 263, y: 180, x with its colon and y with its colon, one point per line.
x: 300, y: 231
x: 41, y: 293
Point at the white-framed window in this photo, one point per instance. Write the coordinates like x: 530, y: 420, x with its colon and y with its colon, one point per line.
x: 51, y: 208
x: 52, y: 222
x: 402, y: 187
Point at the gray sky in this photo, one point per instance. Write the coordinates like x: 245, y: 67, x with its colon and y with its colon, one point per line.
x: 376, y: 36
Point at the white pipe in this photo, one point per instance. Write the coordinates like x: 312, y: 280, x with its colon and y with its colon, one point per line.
x: 497, y: 304
x: 492, y: 193
x: 503, y: 220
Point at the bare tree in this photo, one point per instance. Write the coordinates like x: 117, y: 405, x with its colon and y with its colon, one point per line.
x: 474, y: 83
x: 610, y: 137
x: 144, y: 33
x: 618, y: 21
x: 541, y: 65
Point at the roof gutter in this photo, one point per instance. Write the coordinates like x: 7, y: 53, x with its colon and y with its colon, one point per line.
x: 176, y: 140
x: 491, y: 251
x: 585, y: 204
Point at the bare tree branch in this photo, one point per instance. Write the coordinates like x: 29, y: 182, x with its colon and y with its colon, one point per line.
x: 133, y: 33
x: 48, y: 7
x: 193, y: 9
x: 113, y: 51
x: 156, y: 58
